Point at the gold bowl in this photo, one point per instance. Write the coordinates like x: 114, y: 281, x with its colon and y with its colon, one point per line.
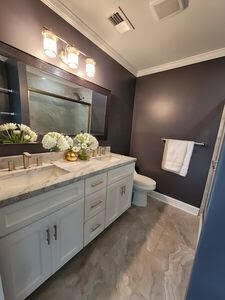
x: 71, y: 156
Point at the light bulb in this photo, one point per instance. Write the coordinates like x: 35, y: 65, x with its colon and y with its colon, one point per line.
x: 49, y: 43
x: 90, y: 67
x: 72, y: 55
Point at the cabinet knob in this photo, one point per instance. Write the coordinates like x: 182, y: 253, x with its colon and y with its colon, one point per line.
x: 124, y: 189
x: 55, y: 232
x: 48, y: 236
x: 121, y: 191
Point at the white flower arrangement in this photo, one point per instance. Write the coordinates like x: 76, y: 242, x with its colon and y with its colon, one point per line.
x: 76, y: 149
x: 85, y: 142
x: 69, y: 142
x: 13, y: 133
x: 55, y: 141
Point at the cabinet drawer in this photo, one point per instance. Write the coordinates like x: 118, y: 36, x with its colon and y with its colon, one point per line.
x: 95, y: 203
x: 93, y: 227
x: 119, y: 173
x: 20, y: 214
x: 95, y: 183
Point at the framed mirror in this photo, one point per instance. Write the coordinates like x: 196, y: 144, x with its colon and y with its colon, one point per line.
x: 48, y: 98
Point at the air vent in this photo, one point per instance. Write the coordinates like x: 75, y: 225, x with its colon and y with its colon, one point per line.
x: 116, y: 19
x: 162, y: 9
x: 120, y: 21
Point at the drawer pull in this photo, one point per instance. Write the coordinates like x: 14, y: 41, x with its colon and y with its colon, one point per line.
x: 96, y: 204
x: 123, y: 190
x: 97, y: 183
x: 48, y: 239
x: 55, y: 232
x: 95, y: 227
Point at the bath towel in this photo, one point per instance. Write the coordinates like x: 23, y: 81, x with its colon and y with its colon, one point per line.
x: 177, y: 155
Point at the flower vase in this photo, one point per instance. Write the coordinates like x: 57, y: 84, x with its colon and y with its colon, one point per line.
x: 84, y: 155
x: 71, y: 155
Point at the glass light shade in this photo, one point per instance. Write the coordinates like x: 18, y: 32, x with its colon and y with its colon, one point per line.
x: 64, y: 57
x: 90, y: 67
x: 50, y: 44
x: 72, y: 56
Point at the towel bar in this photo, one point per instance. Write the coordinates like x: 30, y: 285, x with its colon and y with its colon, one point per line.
x: 3, y: 90
x: 198, y: 144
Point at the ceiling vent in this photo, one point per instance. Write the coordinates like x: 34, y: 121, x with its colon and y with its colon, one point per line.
x: 163, y: 9
x: 120, y: 21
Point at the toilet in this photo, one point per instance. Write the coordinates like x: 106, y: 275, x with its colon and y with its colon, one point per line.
x: 142, y: 186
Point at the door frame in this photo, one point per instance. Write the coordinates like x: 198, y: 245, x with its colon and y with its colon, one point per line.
x: 213, y: 165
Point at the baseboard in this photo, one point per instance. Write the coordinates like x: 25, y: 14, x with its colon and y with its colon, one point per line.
x: 176, y: 203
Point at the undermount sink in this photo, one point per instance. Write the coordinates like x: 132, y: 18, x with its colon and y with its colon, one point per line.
x: 21, y: 179
x: 109, y: 158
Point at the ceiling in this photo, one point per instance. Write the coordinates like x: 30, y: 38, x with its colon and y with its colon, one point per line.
x: 196, y: 34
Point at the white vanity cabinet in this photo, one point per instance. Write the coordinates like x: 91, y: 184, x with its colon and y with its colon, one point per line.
x: 119, y: 196
x: 40, y: 234
x: 30, y: 255
x: 67, y: 233
x: 25, y: 257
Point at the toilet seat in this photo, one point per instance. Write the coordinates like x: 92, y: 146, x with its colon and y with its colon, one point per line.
x: 143, y: 182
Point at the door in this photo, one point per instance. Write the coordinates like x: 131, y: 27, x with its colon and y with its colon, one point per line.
x: 208, y: 272
x: 125, y: 195
x: 112, y: 202
x: 213, y: 166
x: 67, y: 233
x: 1, y: 290
x: 25, y: 259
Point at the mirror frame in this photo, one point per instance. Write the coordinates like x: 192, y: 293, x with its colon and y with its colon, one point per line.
x: 22, y: 59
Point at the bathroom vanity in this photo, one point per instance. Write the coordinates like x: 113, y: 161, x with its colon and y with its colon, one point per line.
x: 49, y: 213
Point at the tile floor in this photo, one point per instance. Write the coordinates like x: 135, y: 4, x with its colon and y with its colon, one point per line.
x: 146, y: 254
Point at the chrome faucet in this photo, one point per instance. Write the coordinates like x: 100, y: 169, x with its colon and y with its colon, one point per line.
x: 26, y: 160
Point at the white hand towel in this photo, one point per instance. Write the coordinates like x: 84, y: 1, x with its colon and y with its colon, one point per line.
x: 177, y: 155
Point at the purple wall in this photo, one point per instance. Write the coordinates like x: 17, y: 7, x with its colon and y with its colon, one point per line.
x: 184, y: 103
x: 21, y: 24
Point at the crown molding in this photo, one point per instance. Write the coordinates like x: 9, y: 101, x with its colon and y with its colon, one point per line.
x: 183, y: 62
x: 59, y: 8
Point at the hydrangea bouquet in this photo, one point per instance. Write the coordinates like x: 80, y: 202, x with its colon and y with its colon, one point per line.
x: 55, y: 141
x: 12, y: 133
x: 81, y: 146
x: 85, y: 143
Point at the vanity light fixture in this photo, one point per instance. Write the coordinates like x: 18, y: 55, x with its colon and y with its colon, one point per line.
x: 70, y: 54
x: 90, y: 67
x: 50, y: 43
x: 70, y: 57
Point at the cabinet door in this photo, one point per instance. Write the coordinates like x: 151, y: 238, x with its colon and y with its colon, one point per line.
x: 112, y: 202
x: 1, y: 290
x: 125, y: 194
x: 25, y: 260
x: 67, y: 233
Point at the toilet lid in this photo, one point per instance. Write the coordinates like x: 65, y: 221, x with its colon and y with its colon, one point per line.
x: 145, y: 182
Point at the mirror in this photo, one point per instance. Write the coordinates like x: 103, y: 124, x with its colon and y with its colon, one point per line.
x: 48, y: 98
x: 57, y: 105
x: 5, y: 105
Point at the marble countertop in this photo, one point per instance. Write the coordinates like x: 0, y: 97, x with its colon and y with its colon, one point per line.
x: 12, y: 190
